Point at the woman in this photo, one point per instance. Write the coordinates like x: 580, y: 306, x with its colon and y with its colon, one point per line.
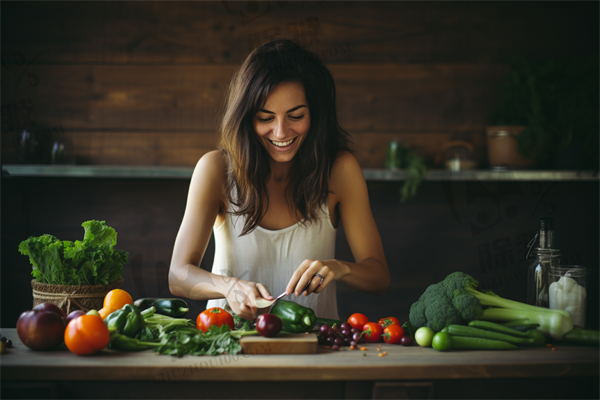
x: 275, y: 191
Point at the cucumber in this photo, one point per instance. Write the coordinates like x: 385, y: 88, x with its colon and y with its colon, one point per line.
x: 474, y: 343
x: 467, y: 331
x: 176, y: 308
x: 584, y: 337
x: 490, y: 326
x: 522, y: 325
x: 535, y: 335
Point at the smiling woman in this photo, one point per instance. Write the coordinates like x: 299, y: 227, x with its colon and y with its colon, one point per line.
x: 274, y: 193
x: 282, y: 132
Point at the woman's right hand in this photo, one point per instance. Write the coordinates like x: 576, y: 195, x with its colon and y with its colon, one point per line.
x: 242, y: 296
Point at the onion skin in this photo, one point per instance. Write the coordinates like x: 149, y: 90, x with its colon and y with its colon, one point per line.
x: 52, y: 308
x: 74, y: 314
x: 41, y: 330
x: 269, y: 325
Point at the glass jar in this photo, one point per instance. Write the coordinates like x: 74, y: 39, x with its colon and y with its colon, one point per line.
x: 567, y: 291
x: 459, y: 156
x: 537, y: 276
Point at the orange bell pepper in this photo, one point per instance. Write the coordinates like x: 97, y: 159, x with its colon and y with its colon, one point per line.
x: 86, y: 335
x: 113, y: 301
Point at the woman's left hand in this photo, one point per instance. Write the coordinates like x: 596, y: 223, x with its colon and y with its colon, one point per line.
x: 330, y: 270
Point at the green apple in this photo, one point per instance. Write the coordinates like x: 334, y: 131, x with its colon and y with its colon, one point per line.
x: 424, y: 336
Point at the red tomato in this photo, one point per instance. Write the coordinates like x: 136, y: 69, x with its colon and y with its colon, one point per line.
x: 358, y: 320
x: 373, y: 332
x: 86, y: 335
x: 213, y: 316
x: 393, y: 334
x: 385, y: 322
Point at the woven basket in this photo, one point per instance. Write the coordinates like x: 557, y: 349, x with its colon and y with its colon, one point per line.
x: 72, y: 297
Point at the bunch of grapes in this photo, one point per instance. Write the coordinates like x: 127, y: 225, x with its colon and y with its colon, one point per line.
x: 340, y: 335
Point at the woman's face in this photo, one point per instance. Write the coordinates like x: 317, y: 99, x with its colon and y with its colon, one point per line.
x: 283, y: 122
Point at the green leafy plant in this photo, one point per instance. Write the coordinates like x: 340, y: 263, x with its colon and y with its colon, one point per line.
x: 93, y: 261
x: 402, y: 157
x: 217, y: 340
x: 557, y: 102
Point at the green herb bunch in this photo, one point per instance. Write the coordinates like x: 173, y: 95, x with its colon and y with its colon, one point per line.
x: 403, y: 157
x: 93, y: 261
x: 215, y: 341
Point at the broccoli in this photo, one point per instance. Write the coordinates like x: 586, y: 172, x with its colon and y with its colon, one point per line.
x: 455, y: 300
x: 436, y: 309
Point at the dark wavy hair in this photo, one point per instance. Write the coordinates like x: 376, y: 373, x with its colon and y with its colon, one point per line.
x: 266, y: 67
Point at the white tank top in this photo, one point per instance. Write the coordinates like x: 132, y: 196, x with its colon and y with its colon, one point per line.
x: 271, y: 257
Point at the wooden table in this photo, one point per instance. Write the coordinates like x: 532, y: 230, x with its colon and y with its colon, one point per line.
x: 405, y: 372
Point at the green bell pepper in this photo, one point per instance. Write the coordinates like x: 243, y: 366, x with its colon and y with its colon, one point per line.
x: 127, y: 321
x: 296, y: 318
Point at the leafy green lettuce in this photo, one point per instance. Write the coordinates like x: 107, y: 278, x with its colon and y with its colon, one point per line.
x: 93, y: 261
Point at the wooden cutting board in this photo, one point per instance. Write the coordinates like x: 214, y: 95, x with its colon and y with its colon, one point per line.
x: 300, y: 343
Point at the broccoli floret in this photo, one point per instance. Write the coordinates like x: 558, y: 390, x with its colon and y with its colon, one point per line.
x: 417, y: 314
x: 467, y: 305
x: 437, y: 308
x: 458, y: 281
x: 440, y: 317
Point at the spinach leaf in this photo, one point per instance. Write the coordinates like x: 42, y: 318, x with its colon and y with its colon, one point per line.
x: 214, y: 342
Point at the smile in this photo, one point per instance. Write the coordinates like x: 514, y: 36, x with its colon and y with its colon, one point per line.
x: 282, y: 144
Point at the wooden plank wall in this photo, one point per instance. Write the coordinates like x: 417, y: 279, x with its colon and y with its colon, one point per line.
x: 141, y: 83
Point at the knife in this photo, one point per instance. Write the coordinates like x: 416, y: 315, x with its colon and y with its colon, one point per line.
x: 271, y: 303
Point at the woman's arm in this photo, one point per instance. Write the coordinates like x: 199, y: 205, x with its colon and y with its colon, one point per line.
x: 369, y: 274
x: 186, y: 278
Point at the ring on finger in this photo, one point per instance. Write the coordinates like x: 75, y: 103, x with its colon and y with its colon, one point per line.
x: 322, y: 278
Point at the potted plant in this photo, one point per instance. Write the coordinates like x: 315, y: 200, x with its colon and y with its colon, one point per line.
x: 550, y: 109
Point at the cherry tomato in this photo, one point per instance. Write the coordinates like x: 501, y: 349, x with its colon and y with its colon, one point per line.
x: 385, y: 322
x: 393, y: 334
x: 373, y: 332
x: 358, y: 320
x: 86, y: 335
x: 213, y: 316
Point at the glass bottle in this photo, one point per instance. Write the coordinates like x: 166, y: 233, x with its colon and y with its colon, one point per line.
x: 544, y: 257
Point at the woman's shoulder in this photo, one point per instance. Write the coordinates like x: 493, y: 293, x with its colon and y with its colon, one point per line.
x: 211, y: 168
x: 346, y: 172
x: 214, y: 160
x: 346, y: 166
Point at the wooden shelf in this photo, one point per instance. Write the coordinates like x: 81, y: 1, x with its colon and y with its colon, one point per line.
x: 484, y: 175
x: 161, y: 172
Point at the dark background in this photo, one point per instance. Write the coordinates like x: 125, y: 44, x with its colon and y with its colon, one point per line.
x: 140, y: 83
